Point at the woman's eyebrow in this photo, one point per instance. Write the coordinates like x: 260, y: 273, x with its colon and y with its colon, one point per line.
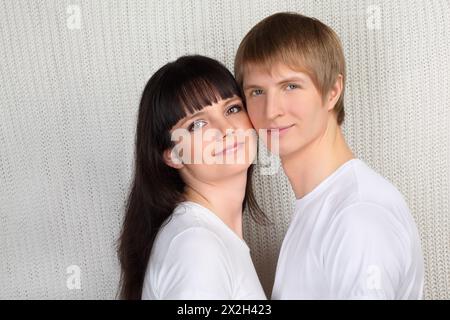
x: 198, y: 113
x: 230, y: 100
x: 201, y: 112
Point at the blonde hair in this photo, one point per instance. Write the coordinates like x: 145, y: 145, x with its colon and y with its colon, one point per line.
x: 305, y: 44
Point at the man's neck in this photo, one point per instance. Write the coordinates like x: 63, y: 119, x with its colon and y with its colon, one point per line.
x: 308, y: 167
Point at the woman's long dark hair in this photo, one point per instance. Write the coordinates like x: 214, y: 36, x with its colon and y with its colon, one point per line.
x: 187, y: 84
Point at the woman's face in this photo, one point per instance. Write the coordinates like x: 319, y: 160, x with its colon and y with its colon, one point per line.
x: 213, y: 143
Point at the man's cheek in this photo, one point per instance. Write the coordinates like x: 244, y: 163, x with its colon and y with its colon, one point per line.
x: 255, y: 122
x: 254, y: 117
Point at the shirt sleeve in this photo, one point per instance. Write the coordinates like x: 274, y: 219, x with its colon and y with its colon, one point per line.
x: 197, y: 266
x: 364, y: 253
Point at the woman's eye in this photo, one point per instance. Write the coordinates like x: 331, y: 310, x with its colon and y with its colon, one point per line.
x: 197, y: 124
x: 256, y: 92
x: 234, y: 109
x: 291, y: 86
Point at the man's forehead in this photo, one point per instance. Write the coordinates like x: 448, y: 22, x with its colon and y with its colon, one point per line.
x: 275, y: 72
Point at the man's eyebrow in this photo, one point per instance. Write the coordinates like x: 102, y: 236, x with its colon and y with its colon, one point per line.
x: 251, y: 86
x: 288, y: 79
x: 292, y: 79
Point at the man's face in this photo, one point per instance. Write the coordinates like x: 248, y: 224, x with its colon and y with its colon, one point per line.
x: 287, y: 100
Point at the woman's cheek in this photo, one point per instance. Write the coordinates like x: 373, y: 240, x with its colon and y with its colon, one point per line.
x: 208, y: 152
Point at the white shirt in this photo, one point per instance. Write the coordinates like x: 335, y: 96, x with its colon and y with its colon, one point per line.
x: 352, y: 237
x: 197, y: 256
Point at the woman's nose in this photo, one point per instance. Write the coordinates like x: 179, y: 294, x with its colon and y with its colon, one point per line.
x: 226, y: 127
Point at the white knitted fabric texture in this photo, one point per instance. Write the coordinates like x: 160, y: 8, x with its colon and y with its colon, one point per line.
x: 71, y: 76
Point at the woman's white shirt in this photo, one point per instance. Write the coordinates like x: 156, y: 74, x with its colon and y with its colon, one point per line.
x: 196, y: 255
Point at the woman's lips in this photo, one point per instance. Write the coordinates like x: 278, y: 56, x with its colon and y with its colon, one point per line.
x: 230, y: 149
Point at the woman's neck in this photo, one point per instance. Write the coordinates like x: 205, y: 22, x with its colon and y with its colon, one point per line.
x: 224, y: 198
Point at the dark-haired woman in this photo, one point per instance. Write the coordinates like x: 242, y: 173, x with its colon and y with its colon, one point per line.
x: 182, y: 232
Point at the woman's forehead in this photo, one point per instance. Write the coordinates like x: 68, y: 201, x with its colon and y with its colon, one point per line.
x: 221, y: 102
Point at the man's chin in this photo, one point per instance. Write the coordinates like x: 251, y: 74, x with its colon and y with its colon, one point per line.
x: 284, y: 152
x: 279, y: 149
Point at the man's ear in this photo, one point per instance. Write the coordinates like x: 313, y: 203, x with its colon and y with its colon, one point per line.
x: 172, y: 159
x: 335, y: 92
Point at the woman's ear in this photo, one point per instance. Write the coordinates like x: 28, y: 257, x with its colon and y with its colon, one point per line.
x: 335, y: 92
x: 173, y: 159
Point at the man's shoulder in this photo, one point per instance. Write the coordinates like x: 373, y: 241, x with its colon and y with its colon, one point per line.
x: 372, y: 188
x: 360, y: 185
x: 364, y: 195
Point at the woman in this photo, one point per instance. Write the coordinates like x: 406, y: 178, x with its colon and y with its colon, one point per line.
x: 182, y: 232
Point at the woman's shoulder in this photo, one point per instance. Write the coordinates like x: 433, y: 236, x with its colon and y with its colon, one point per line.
x: 193, y: 246
x: 197, y: 238
x: 187, y: 227
x: 183, y: 252
x: 185, y: 217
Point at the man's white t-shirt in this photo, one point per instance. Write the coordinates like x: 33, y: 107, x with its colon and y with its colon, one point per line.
x: 352, y: 237
x: 196, y: 255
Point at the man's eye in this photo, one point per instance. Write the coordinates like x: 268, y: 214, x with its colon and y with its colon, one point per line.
x: 256, y: 92
x: 197, y: 124
x: 234, y: 109
x: 291, y: 86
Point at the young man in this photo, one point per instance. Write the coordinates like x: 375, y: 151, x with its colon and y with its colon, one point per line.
x: 352, y: 235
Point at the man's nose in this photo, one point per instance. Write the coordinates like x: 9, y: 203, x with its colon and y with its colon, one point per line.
x: 273, y: 108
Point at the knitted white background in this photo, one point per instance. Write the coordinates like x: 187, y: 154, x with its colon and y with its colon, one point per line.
x: 68, y: 102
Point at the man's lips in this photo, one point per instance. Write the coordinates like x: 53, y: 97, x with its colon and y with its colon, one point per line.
x: 280, y: 130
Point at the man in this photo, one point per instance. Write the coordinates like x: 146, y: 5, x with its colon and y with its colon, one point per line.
x: 352, y: 235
